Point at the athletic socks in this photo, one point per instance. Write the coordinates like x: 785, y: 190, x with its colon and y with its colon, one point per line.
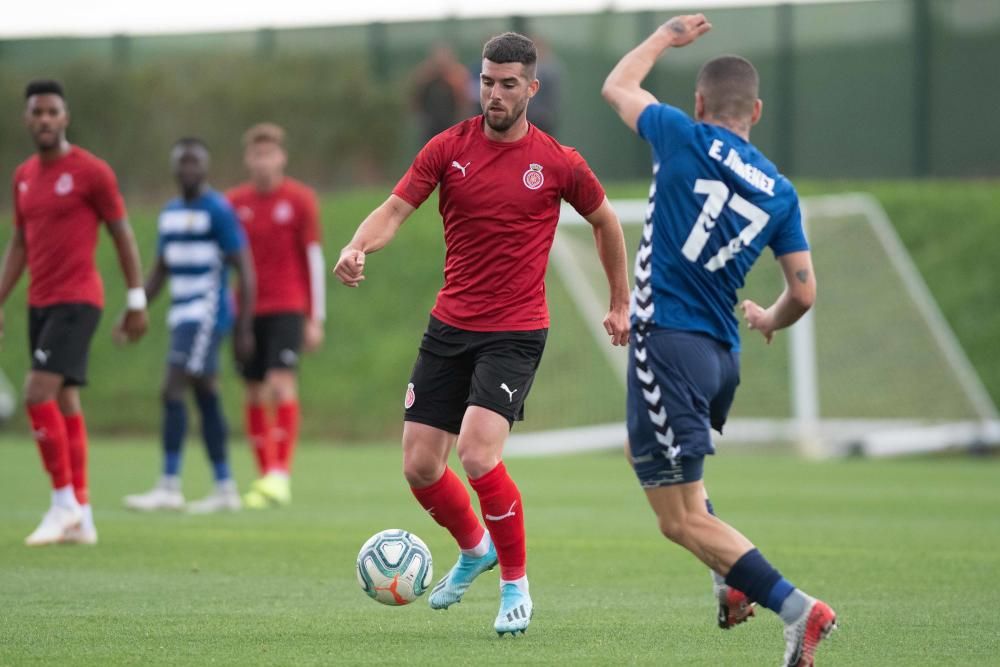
x: 64, y: 497
x: 286, y: 434
x: 213, y: 430
x: 521, y: 583
x: 76, y: 435
x: 482, y: 547
x: 174, y: 430
x: 259, y: 431
x: 763, y: 584
x: 53, y: 443
x: 500, y: 502
x: 448, y: 503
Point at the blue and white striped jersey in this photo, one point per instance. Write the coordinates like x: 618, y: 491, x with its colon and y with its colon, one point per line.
x: 194, y: 239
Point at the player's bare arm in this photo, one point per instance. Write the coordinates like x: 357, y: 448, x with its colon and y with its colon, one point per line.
x: 610, y: 242
x: 15, y: 258
x: 795, y: 301
x: 377, y: 230
x: 135, y: 320
x: 243, y: 340
x: 623, y: 88
x: 312, y: 335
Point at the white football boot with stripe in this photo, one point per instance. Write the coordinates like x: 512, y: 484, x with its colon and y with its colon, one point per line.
x: 515, y: 610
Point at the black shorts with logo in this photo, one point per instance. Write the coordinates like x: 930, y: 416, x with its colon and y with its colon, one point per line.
x: 59, y: 336
x: 277, y: 344
x: 456, y: 368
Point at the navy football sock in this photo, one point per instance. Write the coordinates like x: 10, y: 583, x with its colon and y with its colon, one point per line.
x: 213, y: 430
x: 174, y: 429
x: 759, y: 581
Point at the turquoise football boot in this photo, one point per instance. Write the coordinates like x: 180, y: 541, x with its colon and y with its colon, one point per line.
x: 452, y: 587
x: 515, y: 611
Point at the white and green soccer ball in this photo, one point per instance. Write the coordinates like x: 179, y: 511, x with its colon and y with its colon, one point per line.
x: 394, y: 567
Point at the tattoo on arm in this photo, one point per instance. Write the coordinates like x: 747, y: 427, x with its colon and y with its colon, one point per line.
x: 677, y: 26
x: 803, y: 276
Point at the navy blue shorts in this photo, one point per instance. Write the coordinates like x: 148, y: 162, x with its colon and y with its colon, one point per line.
x: 680, y: 384
x: 194, y: 347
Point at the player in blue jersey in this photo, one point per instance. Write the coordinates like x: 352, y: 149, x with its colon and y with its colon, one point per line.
x: 715, y: 204
x: 199, y: 238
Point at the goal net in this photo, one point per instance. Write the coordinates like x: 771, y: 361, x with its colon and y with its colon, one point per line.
x: 874, y: 368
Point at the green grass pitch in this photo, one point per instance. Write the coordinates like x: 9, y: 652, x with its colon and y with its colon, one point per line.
x: 906, y: 551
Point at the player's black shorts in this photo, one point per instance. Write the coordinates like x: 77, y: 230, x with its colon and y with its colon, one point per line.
x: 456, y: 368
x: 59, y: 337
x: 680, y: 384
x: 277, y: 344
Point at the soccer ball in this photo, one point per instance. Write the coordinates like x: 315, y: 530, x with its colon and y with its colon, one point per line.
x: 394, y: 567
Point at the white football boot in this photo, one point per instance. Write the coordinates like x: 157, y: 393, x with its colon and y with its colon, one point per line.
x: 55, y: 523
x: 224, y: 498
x: 166, y: 495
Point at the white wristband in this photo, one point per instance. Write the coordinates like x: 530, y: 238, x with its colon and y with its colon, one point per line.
x: 135, y: 299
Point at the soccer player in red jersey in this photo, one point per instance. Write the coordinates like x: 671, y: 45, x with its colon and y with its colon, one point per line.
x: 61, y: 195
x: 501, y: 181
x: 281, y: 219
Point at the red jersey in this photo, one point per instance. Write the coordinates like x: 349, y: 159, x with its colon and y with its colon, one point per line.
x: 280, y: 226
x: 500, y: 204
x: 60, y: 204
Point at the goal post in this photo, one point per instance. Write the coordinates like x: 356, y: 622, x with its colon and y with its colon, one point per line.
x: 840, y: 399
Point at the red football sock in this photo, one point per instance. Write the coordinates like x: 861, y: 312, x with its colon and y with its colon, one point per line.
x: 500, y: 502
x: 286, y: 434
x: 260, y: 437
x: 50, y: 434
x: 76, y: 435
x: 448, y: 502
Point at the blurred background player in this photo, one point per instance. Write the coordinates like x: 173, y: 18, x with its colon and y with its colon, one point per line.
x: 715, y: 204
x: 61, y: 195
x: 440, y: 91
x: 199, y: 238
x: 501, y: 181
x: 281, y: 219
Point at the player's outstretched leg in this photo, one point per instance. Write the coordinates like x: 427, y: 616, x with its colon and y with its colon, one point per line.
x: 448, y: 502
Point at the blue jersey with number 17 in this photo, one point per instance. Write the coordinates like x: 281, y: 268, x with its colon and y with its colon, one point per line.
x: 715, y: 203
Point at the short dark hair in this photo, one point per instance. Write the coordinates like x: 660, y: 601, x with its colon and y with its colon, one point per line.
x: 729, y: 86
x: 511, y: 47
x: 191, y: 142
x: 43, y: 87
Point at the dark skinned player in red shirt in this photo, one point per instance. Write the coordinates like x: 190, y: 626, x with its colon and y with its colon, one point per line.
x: 61, y: 196
x: 501, y: 183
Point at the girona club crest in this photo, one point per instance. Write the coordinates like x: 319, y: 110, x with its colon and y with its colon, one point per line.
x: 64, y: 185
x: 411, y: 397
x: 533, y: 178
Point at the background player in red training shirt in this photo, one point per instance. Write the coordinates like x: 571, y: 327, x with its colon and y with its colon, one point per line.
x: 61, y: 195
x: 281, y: 219
x: 501, y: 183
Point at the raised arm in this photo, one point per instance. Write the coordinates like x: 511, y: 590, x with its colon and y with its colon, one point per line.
x: 610, y: 242
x: 373, y: 234
x: 794, y: 302
x: 623, y: 88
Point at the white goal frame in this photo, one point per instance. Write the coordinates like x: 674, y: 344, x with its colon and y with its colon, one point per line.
x: 813, y: 435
